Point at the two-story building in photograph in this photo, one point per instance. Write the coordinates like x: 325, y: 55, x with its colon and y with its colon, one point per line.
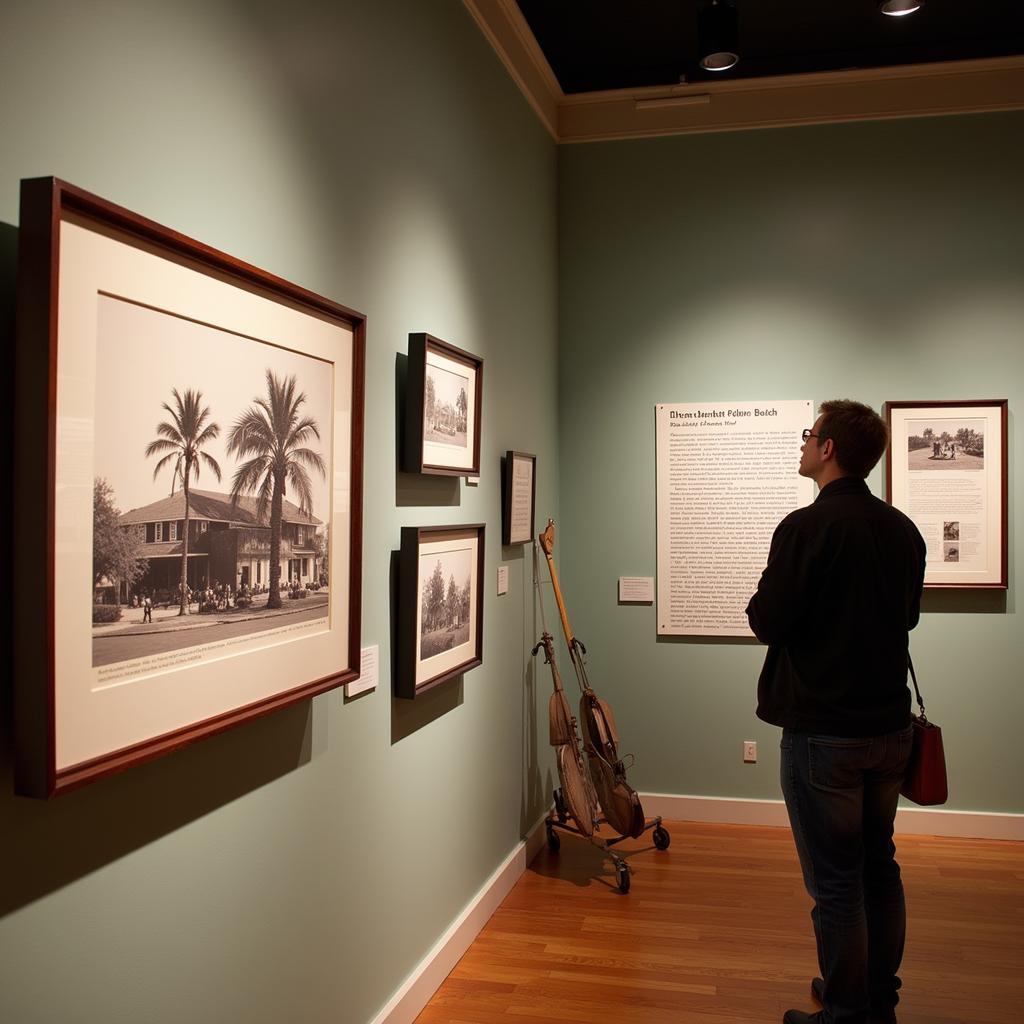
x: 227, y: 543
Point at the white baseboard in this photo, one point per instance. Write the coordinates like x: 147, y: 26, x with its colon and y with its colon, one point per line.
x: 425, y: 979
x: 924, y: 821
x: 415, y: 992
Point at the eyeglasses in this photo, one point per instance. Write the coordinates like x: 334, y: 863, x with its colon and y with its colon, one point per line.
x: 808, y: 433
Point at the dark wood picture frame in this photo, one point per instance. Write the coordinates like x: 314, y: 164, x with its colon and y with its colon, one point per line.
x: 54, y: 214
x: 996, y: 576
x: 419, y: 454
x: 407, y: 663
x: 509, y: 496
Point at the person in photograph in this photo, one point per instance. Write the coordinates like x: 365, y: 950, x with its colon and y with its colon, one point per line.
x: 147, y: 609
x: 835, y: 602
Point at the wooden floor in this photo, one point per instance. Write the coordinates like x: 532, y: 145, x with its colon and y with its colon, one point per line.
x: 715, y: 930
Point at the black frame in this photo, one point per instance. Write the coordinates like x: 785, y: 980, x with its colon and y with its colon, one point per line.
x: 507, y: 482
x: 412, y: 450
x: 408, y: 605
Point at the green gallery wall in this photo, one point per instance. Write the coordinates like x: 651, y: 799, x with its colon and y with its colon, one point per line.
x: 877, y: 261
x: 300, y: 867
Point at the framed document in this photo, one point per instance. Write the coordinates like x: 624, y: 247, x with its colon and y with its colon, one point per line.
x: 518, y: 497
x: 189, y: 490
x: 946, y: 468
x: 443, y: 409
x: 440, y: 605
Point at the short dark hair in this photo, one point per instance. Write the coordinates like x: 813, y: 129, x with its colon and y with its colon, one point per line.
x: 858, y: 433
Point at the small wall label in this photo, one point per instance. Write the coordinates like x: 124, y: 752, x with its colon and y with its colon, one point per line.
x: 368, y: 661
x: 636, y: 589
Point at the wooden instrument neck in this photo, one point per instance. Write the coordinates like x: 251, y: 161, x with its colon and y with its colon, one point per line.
x: 548, y: 642
x: 547, y: 542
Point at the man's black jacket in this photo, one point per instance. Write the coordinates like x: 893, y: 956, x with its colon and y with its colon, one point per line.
x: 835, y: 602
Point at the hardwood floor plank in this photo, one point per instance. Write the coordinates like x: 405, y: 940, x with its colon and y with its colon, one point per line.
x: 716, y: 930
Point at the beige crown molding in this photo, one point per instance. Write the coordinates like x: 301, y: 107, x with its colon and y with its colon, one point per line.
x: 919, y: 90
x: 506, y: 30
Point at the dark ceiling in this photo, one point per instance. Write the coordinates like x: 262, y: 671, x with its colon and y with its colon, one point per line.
x: 593, y: 45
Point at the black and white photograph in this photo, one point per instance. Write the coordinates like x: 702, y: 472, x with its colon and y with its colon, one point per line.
x: 445, y: 407
x: 945, y: 444
x: 443, y: 398
x: 210, y: 495
x: 445, y: 598
x: 950, y: 552
x: 440, y: 606
x: 951, y: 530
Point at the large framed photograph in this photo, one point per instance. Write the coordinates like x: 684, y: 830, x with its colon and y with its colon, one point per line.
x: 946, y: 468
x: 443, y: 408
x: 440, y: 605
x: 518, y: 497
x: 189, y: 490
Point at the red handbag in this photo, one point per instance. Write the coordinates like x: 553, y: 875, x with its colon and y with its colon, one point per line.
x: 925, y: 781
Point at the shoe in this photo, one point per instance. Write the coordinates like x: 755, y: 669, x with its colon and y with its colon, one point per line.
x: 818, y: 990
x: 800, y: 1017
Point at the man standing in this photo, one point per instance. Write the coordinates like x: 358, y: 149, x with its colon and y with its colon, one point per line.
x: 835, y: 602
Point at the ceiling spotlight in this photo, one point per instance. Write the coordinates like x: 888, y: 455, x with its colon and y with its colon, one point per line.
x: 717, y: 35
x: 899, y: 8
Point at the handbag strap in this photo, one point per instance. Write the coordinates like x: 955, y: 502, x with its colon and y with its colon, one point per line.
x: 917, y: 690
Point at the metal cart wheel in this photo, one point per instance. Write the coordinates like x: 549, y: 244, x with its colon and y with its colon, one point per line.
x: 560, y: 809
x: 622, y: 870
x: 554, y: 843
x: 661, y: 838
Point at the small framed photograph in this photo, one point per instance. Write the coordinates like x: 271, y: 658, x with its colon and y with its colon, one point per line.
x: 518, y: 497
x: 189, y: 490
x: 946, y: 468
x: 440, y: 605
x: 443, y: 409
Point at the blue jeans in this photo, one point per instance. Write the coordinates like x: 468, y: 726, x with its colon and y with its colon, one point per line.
x: 841, y: 794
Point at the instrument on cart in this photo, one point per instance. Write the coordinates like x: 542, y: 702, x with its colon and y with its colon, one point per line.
x: 576, y: 798
x: 606, y: 786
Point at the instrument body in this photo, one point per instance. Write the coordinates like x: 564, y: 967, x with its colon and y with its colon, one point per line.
x: 576, y: 790
x: 619, y: 801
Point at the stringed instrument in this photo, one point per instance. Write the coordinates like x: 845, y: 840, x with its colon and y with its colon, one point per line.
x: 577, y: 794
x: 619, y: 801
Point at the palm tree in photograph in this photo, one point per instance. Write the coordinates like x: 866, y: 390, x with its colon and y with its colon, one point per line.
x: 273, y: 437
x: 179, y: 442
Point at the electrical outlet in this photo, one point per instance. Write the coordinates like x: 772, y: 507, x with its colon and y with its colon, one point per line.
x: 750, y: 751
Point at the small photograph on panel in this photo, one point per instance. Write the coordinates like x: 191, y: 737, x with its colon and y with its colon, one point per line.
x: 950, y: 552
x: 951, y: 530
x: 945, y: 444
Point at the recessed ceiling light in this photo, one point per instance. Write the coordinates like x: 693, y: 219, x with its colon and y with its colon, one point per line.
x: 900, y: 8
x: 717, y: 34
x: 721, y: 61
